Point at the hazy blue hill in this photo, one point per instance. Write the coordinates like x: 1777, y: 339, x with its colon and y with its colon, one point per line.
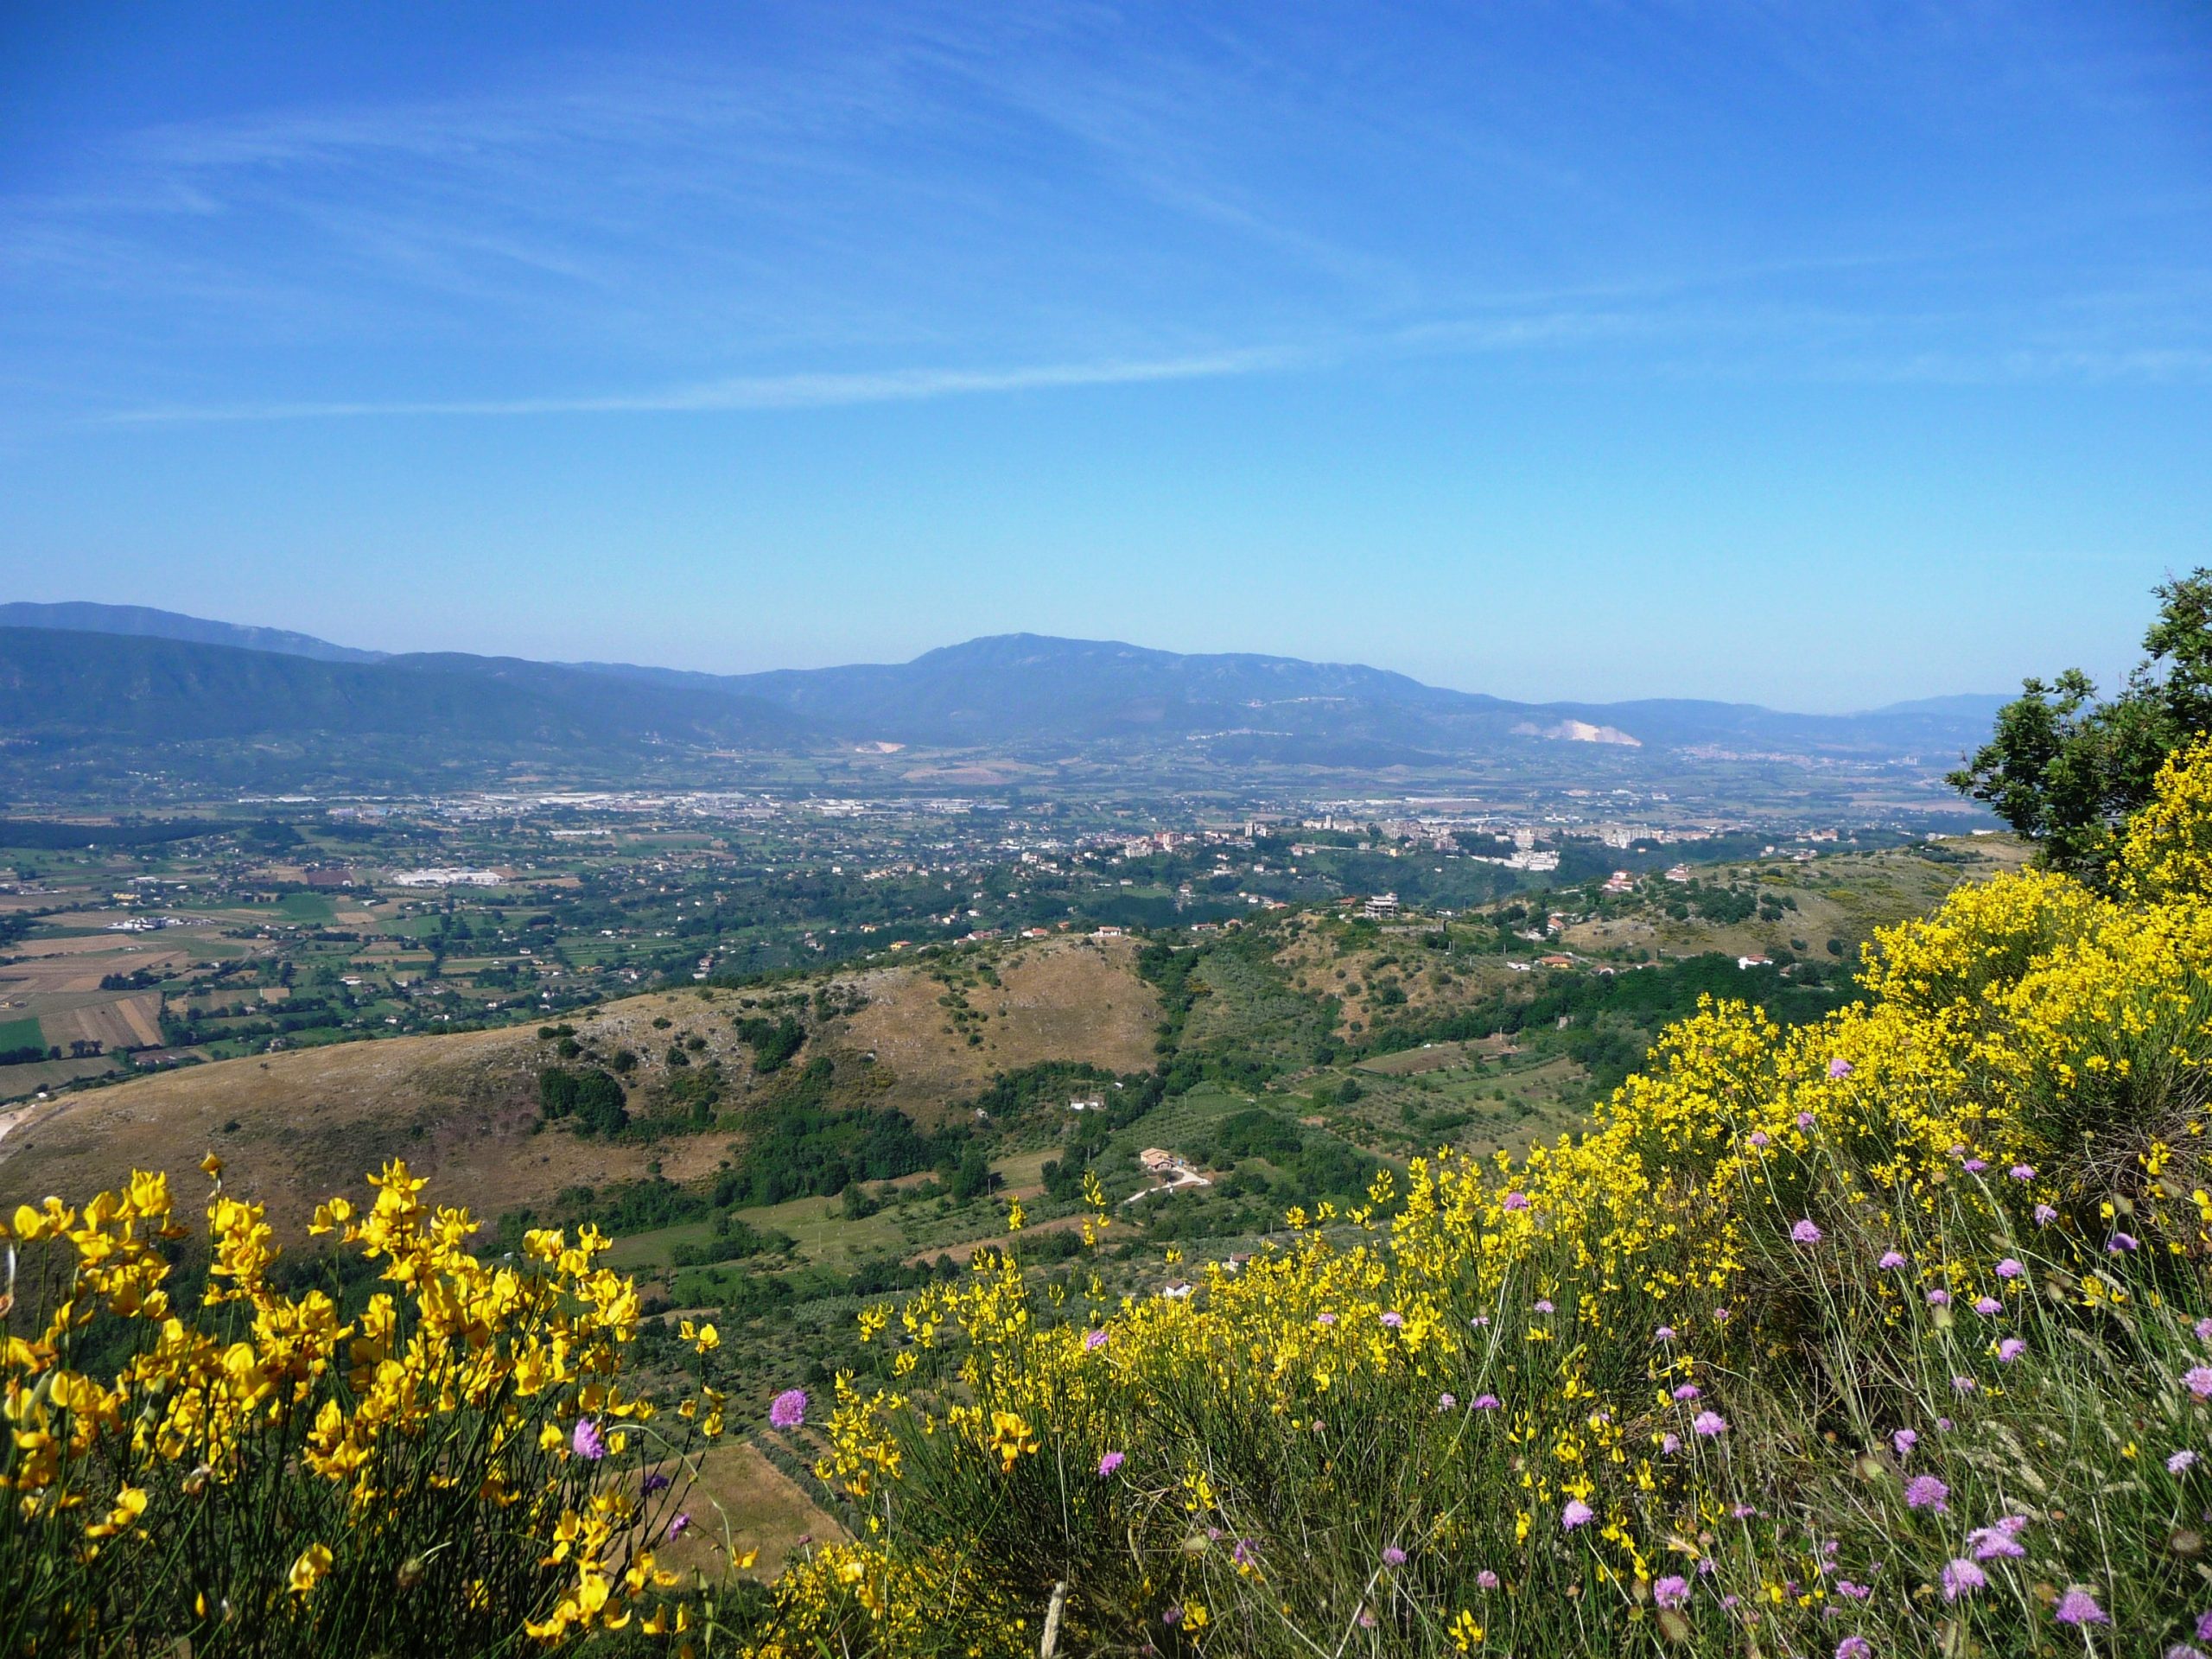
x: 114, y: 686
x: 80, y: 616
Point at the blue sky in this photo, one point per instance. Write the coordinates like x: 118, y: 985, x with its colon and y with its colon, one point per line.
x: 1817, y: 355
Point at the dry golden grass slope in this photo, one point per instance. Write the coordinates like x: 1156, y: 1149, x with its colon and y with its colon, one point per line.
x: 296, y: 1126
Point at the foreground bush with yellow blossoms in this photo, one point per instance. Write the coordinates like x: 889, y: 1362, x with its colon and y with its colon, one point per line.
x: 1888, y: 1336
x: 424, y: 1461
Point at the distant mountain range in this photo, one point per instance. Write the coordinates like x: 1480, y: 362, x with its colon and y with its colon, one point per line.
x: 125, y: 675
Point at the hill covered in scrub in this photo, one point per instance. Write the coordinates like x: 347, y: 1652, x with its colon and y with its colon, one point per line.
x: 1888, y: 1333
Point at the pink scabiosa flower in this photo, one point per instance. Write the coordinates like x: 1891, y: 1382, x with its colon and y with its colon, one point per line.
x: 2204, y: 1334
x: 1975, y: 1166
x: 2122, y: 1245
x: 1806, y: 1232
x: 2010, y: 1350
x: 1805, y: 1122
x: 1110, y: 1462
x: 1446, y: 1401
x: 1393, y: 1318
x: 1709, y: 1424
x: 2045, y: 1215
x: 1757, y: 1137
x: 1688, y: 1391
x: 1485, y: 1580
x: 1963, y: 1385
x: 1962, y: 1576
x: 2077, y: 1607
x: 2180, y: 1464
x: 1487, y: 1402
x: 2010, y: 1268
x: 1544, y: 1304
x: 2022, y: 1172
x: 1854, y: 1647
x: 2197, y: 1379
x: 1839, y: 1069
x: 1891, y: 1260
x: 1669, y: 1444
x: 1516, y: 1201
x: 1576, y: 1513
x: 1324, y: 1318
x: 679, y: 1526
x: 2001, y: 1538
x: 1664, y: 1334
x: 1905, y: 1439
x: 1987, y: 1306
x: 1393, y: 1556
x: 586, y: 1442
x: 1926, y: 1492
x: 788, y: 1409
x: 1939, y: 1296
x: 1095, y: 1339
x: 1673, y: 1591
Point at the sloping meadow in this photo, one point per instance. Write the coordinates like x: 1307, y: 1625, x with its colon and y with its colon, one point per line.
x: 1884, y: 1336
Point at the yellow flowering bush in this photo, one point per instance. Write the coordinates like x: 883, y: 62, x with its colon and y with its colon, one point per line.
x: 1889, y: 1334
x: 419, y: 1454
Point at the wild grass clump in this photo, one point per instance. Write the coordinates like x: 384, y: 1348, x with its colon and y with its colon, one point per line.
x: 1887, y: 1336
x: 446, y: 1463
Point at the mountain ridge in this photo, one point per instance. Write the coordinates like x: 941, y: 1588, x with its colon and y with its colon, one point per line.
x: 1029, y: 695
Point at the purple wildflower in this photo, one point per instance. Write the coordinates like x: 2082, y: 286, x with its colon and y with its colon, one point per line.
x: 1757, y: 1137
x: 1926, y: 1492
x: 1544, y: 1304
x: 1446, y: 1401
x: 2022, y: 1172
x: 587, y: 1441
x: 1854, y: 1647
x: 2122, y: 1245
x: 2078, y: 1607
x: 1963, y: 1385
x: 1688, y: 1391
x: 1666, y: 1333
x: 1891, y: 1259
x: 1805, y: 1122
x: 1943, y: 1424
x: 1975, y: 1166
x: 1805, y: 1232
x: 1987, y: 1306
x: 1709, y: 1423
x: 2009, y: 1268
x: 1516, y: 1201
x: 1487, y: 1402
x: 1393, y: 1318
x: 788, y: 1409
x: 1939, y: 1296
x: 2204, y: 1334
x: 2045, y: 1215
x: 1095, y: 1339
x: 1839, y: 1069
x: 1110, y: 1462
x: 1962, y: 1576
x: 2197, y: 1379
x: 679, y: 1526
x: 1245, y: 1553
x: 1905, y: 1439
x: 1393, y: 1556
x: 1845, y: 1588
x: 2001, y: 1539
x: 2010, y: 1349
x: 1673, y: 1591
x: 1324, y: 1318
x: 1576, y: 1513
x: 2180, y: 1464
x: 1669, y: 1444
x: 655, y: 1482
x: 1485, y: 1580
x: 2204, y: 1627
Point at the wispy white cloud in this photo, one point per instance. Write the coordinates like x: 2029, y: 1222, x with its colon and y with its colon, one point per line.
x: 805, y: 390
